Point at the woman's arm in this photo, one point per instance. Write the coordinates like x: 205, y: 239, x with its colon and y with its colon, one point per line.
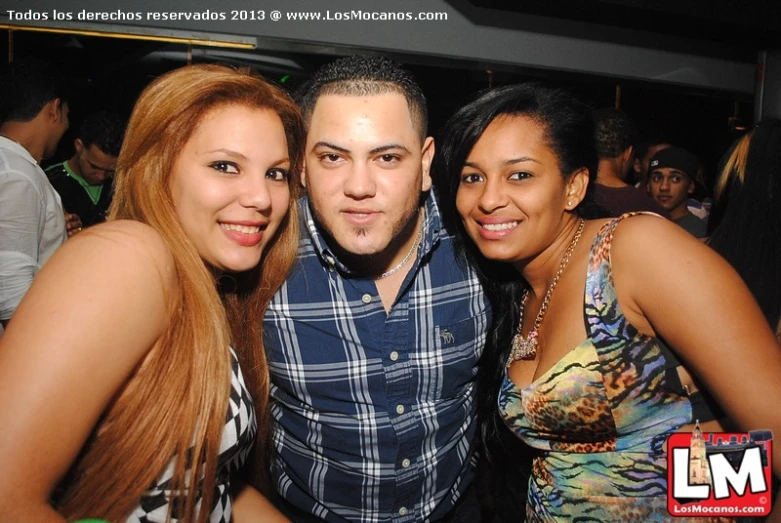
x: 249, y: 506
x: 88, y: 320
x: 699, y: 305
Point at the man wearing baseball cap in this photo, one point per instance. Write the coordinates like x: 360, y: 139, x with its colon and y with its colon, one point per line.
x: 671, y: 181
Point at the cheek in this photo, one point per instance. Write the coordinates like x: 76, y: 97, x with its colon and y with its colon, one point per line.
x: 280, y: 201
x: 461, y: 203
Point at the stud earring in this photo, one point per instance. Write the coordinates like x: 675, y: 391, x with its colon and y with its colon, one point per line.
x: 569, y: 203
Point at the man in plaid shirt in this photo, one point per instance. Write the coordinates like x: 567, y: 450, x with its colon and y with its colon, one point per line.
x: 374, y: 339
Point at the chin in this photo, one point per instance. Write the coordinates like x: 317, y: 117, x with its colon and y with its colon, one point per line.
x: 360, y: 243
x: 238, y: 263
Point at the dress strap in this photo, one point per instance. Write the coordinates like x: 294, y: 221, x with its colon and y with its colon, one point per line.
x: 603, y: 314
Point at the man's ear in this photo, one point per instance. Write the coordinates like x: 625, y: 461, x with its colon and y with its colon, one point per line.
x: 78, y: 145
x: 628, y: 154
x: 55, y: 109
x: 427, y: 157
x: 692, y: 187
x: 576, y: 188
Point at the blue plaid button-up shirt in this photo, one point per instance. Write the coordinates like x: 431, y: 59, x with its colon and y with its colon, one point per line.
x: 375, y: 413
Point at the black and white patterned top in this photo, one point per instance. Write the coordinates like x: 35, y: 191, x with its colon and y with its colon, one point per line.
x: 238, y: 436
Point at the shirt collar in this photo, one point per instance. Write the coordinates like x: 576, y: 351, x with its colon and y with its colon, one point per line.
x: 16, y: 147
x: 432, y: 232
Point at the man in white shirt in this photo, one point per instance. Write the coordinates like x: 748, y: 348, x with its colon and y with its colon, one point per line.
x: 33, y: 118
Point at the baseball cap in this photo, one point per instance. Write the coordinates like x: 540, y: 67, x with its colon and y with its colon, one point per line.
x: 675, y: 158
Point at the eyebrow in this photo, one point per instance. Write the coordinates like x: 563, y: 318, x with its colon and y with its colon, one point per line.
x: 330, y: 146
x: 229, y: 152
x: 389, y: 147
x: 96, y: 166
x: 673, y: 172
x: 511, y: 161
x: 376, y: 150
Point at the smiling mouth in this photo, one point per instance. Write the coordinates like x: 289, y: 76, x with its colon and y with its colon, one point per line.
x: 245, y: 229
x: 499, y: 226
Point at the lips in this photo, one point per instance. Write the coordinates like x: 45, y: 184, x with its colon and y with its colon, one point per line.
x: 248, y: 234
x: 361, y: 217
x: 496, y: 229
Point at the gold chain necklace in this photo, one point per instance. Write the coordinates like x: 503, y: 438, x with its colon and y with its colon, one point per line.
x: 409, y: 254
x: 526, y: 348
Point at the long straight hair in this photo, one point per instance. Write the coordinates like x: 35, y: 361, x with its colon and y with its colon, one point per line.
x: 748, y: 203
x: 174, y: 405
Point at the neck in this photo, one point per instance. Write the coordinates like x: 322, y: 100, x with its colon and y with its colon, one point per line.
x: 540, y: 270
x: 679, y: 212
x: 608, y: 173
x: 73, y: 165
x: 27, y: 135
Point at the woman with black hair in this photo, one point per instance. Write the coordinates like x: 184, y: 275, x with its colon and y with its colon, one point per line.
x: 747, y: 215
x: 576, y: 357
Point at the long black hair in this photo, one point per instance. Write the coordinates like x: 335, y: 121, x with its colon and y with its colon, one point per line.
x: 748, y: 234
x: 569, y: 132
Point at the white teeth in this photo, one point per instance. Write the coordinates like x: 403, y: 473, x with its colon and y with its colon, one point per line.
x: 500, y: 226
x: 246, y: 229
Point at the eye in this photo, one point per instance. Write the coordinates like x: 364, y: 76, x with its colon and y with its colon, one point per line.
x: 225, y: 167
x: 676, y: 179
x: 389, y: 158
x: 471, y: 178
x: 278, y: 175
x: 520, y: 175
x: 330, y: 158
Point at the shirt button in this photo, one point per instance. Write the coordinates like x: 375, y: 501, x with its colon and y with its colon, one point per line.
x: 399, y: 409
x: 394, y: 356
x: 366, y: 298
x: 405, y: 463
x: 403, y: 511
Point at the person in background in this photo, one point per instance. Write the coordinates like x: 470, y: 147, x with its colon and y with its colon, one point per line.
x: 130, y: 404
x: 670, y: 182
x: 84, y: 181
x: 33, y: 118
x: 643, y: 153
x: 615, y: 135
x: 747, y: 215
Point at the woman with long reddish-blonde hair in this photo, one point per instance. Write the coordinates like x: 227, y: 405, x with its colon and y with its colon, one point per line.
x: 120, y: 395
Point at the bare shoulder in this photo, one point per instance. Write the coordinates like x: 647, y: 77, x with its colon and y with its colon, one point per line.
x: 645, y: 241
x: 119, y: 246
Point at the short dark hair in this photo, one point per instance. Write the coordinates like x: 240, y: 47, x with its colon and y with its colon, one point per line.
x: 365, y: 76
x: 26, y: 86
x: 614, y: 132
x: 104, y: 130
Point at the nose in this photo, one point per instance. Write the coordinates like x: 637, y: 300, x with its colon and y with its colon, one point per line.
x: 360, y: 182
x: 664, y: 185
x: 254, y: 192
x: 492, y: 197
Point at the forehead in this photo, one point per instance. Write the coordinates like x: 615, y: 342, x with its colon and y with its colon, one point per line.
x: 96, y: 154
x: 372, y: 120
x: 512, y: 135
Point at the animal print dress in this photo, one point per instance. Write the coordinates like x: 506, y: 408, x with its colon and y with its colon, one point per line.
x: 598, y: 419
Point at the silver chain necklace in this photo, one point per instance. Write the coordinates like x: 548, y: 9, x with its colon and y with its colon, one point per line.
x: 403, y: 262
